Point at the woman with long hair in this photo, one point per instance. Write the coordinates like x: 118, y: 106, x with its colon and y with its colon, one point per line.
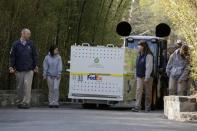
x: 144, y: 69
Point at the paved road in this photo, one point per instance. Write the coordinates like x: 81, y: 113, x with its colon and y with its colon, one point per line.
x: 75, y: 119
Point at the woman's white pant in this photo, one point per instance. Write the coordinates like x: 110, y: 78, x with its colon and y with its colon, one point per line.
x: 53, y: 85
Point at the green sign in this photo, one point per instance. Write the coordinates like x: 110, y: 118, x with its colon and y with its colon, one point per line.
x: 96, y: 60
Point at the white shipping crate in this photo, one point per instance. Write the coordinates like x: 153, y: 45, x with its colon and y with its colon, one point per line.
x: 97, y: 59
x: 94, y: 86
x: 98, y: 72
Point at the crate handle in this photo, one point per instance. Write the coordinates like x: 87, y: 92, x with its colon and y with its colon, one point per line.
x: 110, y: 45
x: 85, y: 44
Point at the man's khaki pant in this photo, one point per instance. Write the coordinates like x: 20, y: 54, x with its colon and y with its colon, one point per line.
x: 23, y: 85
x: 176, y: 88
x: 147, y: 87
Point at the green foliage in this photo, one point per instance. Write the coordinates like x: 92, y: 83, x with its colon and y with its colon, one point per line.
x: 145, y: 16
x: 63, y: 22
x: 66, y: 22
x: 183, y: 16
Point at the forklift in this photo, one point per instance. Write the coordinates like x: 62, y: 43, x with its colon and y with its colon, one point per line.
x: 83, y: 81
x: 158, y: 46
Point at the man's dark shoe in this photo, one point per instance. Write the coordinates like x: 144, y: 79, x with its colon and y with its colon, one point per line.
x: 50, y: 106
x: 56, y: 106
x: 19, y: 105
x: 24, y: 106
x: 135, y: 109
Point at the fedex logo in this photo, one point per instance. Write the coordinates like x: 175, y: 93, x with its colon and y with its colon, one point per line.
x: 93, y: 77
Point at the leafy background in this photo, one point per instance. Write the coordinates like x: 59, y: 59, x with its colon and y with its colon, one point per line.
x: 66, y: 22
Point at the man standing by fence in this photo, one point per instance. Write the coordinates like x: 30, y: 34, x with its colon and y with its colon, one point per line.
x: 23, y: 62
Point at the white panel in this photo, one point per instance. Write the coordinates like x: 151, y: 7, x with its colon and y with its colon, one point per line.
x: 97, y: 59
x: 101, y: 60
x: 106, y: 86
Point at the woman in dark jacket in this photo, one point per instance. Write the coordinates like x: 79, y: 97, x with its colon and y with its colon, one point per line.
x: 144, y: 68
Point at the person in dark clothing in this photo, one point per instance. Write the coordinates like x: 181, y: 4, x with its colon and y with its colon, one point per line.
x: 144, y: 68
x: 23, y: 62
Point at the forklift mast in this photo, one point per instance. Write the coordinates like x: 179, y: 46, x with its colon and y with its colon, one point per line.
x: 158, y: 47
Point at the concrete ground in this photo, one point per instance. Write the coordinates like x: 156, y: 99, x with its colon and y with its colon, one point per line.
x: 77, y: 119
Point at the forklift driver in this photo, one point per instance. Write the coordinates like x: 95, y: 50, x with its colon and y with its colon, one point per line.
x: 144, y: 68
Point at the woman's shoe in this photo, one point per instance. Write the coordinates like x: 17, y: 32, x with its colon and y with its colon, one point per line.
x: 147, y: 110
x: 135, y: 109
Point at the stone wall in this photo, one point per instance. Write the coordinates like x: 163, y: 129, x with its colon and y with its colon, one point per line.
x: 180, y: 108
x: 8, y: 98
